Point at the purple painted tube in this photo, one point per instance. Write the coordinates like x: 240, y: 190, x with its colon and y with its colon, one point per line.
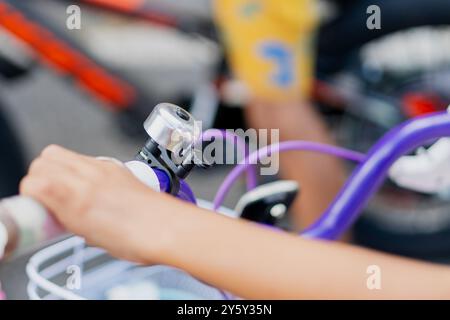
x: 368, y: 177
x: 185, y: 193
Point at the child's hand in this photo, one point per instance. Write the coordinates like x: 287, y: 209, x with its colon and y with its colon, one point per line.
x: 100, y: 201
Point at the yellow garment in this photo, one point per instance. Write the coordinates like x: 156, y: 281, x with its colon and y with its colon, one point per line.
x: 268, y: 43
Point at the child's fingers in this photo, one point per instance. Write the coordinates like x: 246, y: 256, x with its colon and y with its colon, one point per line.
x: 55, y: 151
x: 47, y: 192
x: 55, y: 155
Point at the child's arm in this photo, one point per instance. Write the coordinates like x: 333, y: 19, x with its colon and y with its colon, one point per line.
x: 258, y: 263
x: 111, y: 209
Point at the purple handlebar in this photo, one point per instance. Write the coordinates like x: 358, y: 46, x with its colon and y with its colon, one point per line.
x: 185, y: 193
x: 367, y: 178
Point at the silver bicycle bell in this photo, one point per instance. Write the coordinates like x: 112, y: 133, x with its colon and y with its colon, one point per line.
x: 172, y: 128
x: 173, y: 133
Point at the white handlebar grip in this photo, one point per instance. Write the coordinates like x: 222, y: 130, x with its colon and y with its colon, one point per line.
x: 144, y: 173
x: 140, y: 170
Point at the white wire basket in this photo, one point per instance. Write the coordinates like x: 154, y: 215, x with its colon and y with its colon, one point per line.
x: 71, y: 270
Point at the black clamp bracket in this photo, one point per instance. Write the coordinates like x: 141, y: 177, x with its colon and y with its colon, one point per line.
x: 155, y: 157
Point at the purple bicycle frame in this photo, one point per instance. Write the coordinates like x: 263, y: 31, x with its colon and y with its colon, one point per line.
x: 368, y: 176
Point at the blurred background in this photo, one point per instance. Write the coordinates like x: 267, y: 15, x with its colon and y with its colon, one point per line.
x: 367, y: 81
x: 42, y: 107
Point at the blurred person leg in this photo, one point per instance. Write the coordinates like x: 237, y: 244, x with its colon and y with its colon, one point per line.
x: 270, y: 49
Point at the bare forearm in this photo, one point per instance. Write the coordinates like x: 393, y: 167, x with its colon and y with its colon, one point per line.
x: 255, y: 262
